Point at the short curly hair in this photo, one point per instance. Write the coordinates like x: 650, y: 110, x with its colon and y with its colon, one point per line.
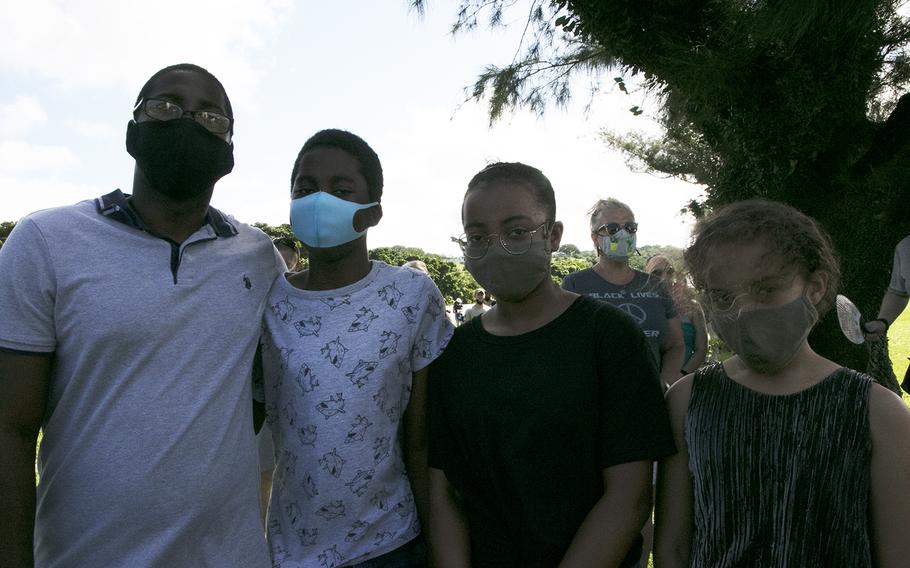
x: 796, y: 238
x: 370, y: 166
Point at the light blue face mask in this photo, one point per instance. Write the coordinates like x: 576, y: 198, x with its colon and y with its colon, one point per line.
x: 619, y: 245
x: 322, y: 220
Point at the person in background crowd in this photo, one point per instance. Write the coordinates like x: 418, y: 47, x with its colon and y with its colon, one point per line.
x: 614, y: 234
x: 128, y: 332
x: 289, y: 250
x: 786, y: 458
x: 457, y: 309
x: 345, y: 351
x: 691, y: 315
x: 545, y: 413
x: 418, y: 265
x: 895, y: 299
x: 611, y: 279
x: 478, y: 308
x: 422, y: 267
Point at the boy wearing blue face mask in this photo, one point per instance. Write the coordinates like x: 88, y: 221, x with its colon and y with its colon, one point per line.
x: 345, y: 348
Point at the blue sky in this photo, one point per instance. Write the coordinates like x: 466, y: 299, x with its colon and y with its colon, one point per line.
x: 70, y: 71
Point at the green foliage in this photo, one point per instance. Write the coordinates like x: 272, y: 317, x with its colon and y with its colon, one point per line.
x: 6, y: 227
x: 283, y: 230
x: 570, y: 251
x: 450, y: 277
x: 561, y: 266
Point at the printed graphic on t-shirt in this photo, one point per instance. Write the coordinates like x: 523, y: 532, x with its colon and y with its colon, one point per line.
x: 645, y: 299
x: 337, y: 381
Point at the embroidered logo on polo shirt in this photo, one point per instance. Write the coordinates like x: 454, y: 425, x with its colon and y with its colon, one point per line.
x: 246, y: 282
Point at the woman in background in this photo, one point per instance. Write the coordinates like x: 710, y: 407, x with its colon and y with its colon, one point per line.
x: 691, y: 315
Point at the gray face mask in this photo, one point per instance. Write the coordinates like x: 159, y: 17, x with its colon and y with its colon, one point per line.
x: 510, y: 277
x: 767, y: 339
x: 618, y: 246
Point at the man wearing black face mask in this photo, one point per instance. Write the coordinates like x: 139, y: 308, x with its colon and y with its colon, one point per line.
x: 128, y: 332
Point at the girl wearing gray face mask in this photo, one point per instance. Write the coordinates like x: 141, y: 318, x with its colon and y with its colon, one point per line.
x: 545, y: 411
x: 786, y: 458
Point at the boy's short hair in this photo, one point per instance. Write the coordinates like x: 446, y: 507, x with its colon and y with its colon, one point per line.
x: 370, y: 167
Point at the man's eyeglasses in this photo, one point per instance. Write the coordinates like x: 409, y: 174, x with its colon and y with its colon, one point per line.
x: 610, y: 229
x: 516, y: 241
x: 162, y: 110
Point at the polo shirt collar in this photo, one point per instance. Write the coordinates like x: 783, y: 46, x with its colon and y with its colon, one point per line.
x: 116, y: 206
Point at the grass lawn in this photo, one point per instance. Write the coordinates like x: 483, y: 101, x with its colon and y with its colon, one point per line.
x: 899, y: 344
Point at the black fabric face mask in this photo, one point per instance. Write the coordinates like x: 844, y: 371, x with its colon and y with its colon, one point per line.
x: 180, y: 158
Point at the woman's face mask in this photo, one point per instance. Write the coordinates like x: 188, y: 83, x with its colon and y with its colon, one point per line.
x: 615, y: 236
x: 767, y: 339
x: 618, y: 246
x: 509, y: 277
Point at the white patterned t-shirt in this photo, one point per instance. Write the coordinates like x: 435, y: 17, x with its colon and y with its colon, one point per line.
x: 337, y: 367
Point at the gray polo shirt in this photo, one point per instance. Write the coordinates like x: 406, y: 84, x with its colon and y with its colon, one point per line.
x: 148, y: 456
x: 900, y: 273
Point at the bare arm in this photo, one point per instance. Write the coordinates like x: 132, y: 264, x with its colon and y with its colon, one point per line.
x: 450, y: 541
x: 673, y: 516
x: 24, y: 383
x: 891, y: 308
x: 606, y: 534
x: 415, y: 445
x: 889, y: 422
x: 701, y: 341
x: 672, y: 350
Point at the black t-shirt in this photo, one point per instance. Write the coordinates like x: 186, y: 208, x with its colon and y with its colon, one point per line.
x: 523, y: 426
x: 646, y: 298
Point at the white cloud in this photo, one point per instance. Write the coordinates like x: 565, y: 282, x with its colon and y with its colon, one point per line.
x: 21, y: 116
x: 23, y: 196
x: 22, y: 157
x: 105, y: 43
x: 93, y: 130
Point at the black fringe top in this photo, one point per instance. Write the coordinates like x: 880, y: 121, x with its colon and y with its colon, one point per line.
x: 780, y: 480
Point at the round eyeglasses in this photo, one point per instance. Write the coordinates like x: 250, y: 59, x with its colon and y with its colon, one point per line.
x: 515, y: 241
x: 610, y: 229
x: 163, y: 110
